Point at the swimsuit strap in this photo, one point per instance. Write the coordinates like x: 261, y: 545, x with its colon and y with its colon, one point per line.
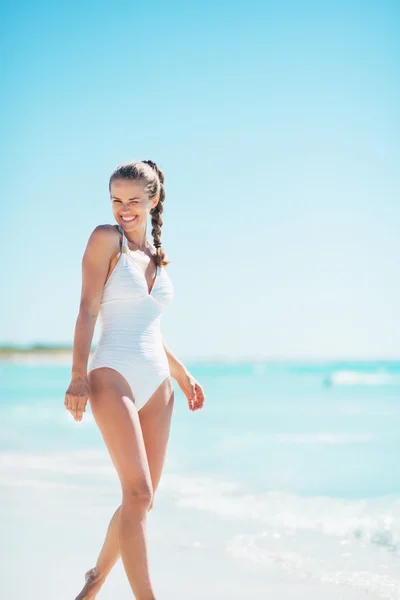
x: 124, y: 246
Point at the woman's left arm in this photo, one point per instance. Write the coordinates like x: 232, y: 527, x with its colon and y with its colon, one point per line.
x: 177, y: 369
x: 188, y: 384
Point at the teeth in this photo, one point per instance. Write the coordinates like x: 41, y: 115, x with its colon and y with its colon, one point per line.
x: 128, y: 219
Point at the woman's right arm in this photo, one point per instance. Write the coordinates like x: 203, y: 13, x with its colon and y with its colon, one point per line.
x: 103, y: 243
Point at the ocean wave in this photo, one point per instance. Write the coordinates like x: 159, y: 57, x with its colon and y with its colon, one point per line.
x: 373, y: 521
x: 12, y: 482
x: 352, y: 543
x: 63, y: 463
x: 323, y: 438
x: 256, y: 549
x: 362, y: 378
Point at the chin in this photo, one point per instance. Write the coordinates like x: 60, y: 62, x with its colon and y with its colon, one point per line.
x: 129, y: 226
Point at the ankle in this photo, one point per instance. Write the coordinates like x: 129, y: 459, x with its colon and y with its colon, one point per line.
x: 95, y: 574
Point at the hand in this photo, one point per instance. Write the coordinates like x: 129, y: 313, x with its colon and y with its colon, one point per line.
x: 77, y: 396
x: 192, y: 390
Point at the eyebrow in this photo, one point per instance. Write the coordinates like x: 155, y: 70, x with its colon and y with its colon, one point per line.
x: 129, y: 199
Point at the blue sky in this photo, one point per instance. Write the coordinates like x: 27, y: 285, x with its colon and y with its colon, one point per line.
x: 277, y: 127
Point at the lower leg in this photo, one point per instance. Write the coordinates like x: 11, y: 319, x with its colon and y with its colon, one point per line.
x: 109, y: 554
x: 110, y: 551
x: 132, y: 543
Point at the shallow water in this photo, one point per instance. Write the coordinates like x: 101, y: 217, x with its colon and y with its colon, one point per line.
x: 287, y: 482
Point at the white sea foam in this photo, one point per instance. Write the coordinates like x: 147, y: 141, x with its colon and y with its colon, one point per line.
x: 347, y: 542
x: 378, y: 584
x: 352, y: 543
x: 360, y: 378
x: 323, y: 438
x: 376, y: 521
x: 73, y: 462
x: 12, y: 482
x: 375, y: 580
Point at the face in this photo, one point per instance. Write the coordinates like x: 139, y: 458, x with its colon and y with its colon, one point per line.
x: 131, y: 205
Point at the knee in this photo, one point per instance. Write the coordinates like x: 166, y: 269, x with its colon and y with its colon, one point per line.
x: 139, y: 495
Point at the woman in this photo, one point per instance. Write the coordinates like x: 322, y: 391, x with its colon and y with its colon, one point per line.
x: 129, y: 378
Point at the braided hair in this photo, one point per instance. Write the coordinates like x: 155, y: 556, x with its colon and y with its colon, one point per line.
x: 150, y: 176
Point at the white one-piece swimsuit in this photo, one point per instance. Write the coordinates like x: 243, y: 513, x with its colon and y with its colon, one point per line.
x: 130, y: 339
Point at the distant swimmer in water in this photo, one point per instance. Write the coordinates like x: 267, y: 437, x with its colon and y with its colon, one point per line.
x: 128, y: 382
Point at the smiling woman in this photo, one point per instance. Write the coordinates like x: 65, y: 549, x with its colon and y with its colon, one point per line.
x: 131, y: 305
x: 129, y: 385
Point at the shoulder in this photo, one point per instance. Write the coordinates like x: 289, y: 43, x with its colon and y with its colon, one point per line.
x: 106, y: 237
x: 105, y: 233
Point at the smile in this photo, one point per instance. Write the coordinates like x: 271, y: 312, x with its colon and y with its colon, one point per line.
x: 128, y: 219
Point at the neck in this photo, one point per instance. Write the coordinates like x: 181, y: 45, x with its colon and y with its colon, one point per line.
x: 138, y: 238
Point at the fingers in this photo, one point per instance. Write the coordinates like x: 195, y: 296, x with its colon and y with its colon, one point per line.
x: 199, y: 397
x: 76, y: 406
x: 79, y: 409
x: 197, y: 400
x: 191, y: 400
x: 67, y: 402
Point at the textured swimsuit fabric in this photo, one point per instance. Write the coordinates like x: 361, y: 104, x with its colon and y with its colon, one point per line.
x: 130, y: 339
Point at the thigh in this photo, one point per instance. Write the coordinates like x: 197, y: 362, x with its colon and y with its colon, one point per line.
x: 155, y: 421
x: 116, y: 416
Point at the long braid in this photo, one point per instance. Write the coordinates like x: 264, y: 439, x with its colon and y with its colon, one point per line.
x: 156, y: 215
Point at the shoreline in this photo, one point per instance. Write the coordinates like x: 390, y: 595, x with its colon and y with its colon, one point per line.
x: 45, y: 356
x: 63, y: 354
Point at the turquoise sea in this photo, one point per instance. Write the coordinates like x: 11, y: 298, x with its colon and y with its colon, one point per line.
x: 286, y: 485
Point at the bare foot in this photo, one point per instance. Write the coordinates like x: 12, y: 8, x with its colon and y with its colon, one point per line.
x: 92, y: 585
